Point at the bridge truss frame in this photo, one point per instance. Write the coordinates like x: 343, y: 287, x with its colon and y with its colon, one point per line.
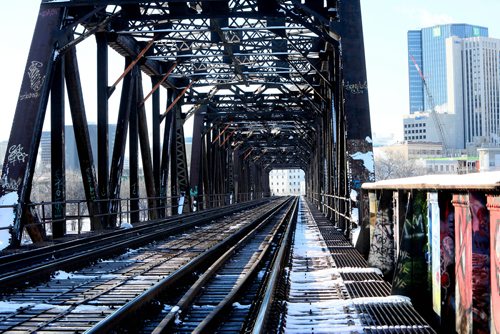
x: 269, y: 84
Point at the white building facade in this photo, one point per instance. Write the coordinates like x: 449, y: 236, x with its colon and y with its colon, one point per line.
x: 474, y: 88
x: 287, y: 182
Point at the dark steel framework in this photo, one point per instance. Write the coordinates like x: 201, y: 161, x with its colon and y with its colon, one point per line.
x: 269, y: 83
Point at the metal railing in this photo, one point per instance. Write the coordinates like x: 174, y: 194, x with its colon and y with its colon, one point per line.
x: 116, y: 213
x: 334, y: 206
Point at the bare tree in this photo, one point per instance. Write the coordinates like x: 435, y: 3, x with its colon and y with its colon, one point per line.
x: 393, y: 165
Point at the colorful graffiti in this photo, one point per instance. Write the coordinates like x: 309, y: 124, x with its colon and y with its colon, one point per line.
x: 447, y: 263
x: 435, y: 250
x: 480, y: 263
x: 463, y: 266
x: 411, y: 272
x: 495, y: 263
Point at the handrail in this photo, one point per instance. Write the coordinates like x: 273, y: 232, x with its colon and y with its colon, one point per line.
x: 76, y: 210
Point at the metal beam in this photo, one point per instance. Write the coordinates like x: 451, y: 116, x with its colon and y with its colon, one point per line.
x: 20, y: 158
x: 57, y: 152
x: 80, y: 127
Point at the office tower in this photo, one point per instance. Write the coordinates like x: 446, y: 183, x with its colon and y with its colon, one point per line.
x: 427, y: 50
x: 474, y: 88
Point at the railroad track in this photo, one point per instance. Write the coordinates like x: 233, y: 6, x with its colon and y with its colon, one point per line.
x: 21, y: 268
x: 220, y: 301
x: 98, y: 297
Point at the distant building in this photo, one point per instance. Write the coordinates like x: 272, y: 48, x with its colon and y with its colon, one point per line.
x: 474, y: 89
x: 286, y: 182
x: 411, y: 150
x: 421, y: 127
x: 459, y: 165
x: 489, y: 159
x: 427, y: 49
x: 71, y: 156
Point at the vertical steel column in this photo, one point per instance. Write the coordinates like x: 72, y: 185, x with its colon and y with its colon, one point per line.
x: 205, y: 171
x: 174, y: 187
x: 236, y: 174
x: 83, y: 145
x: 133, y: 145
x: 196, y: 171
x: 342, y: 158
x: 102, y: 122
x: 166, y: 154
x: 20, y: 158
x: 358, y: 142
x: 210, y: 168
x: 120, y: 142
x: 57, y: 150
x: 179, y: 179
x: 147, y: 161
x: 155, y: 120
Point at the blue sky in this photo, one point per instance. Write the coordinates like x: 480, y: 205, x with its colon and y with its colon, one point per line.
x: 385, y: 24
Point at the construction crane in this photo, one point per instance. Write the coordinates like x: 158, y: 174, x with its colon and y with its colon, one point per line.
x: 434, y: 114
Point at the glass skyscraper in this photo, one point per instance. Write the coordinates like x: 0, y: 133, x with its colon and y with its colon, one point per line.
x: 427, y: 49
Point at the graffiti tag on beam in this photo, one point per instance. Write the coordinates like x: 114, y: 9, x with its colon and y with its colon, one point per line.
x: 36, y: 80
x: 356, y: 88
x: 16, y: 154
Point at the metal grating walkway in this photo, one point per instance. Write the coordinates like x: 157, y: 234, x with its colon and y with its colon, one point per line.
x: 332, y: 289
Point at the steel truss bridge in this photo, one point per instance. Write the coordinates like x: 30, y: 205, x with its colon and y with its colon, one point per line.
x: 268, y: 83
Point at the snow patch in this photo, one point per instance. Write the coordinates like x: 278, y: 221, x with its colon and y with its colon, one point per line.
x: 125, y: 225
x: 355, y: 234
x: 7, y: 216
x: 11, y: 307
x: 367, y: 160
x: 354, y: 195
x: 89, y: 308
x: 351, y: 270
x: 62, y: 275
x: 241, y: 306
x: 368, y: 139
x: 381, y: 300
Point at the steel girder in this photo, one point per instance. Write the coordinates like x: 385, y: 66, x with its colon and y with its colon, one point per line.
x: 271, y: 84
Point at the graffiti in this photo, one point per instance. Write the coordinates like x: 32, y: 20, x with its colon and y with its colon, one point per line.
x: 495, y: 284
x: 411, y: 273
x: 36, y: 80
x: 463, y: 266
x: 59, y: 184
x: 90, y: 182
x: 435, y: 250
x: 49, y: 12
x: 403, y: 269
x: 480, y: 262
x: 382, y: 243
x: 356, y: 88
x: 59, y: 194
x: 447, y: 260
x: 16, y: 154
x: 10, y: 184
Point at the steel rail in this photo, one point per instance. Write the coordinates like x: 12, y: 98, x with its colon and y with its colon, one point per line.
x: 272, y: 283
x: 217, y: 313
x: 27, y: 265
x: 165, y: 324
x: 115, y: 319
